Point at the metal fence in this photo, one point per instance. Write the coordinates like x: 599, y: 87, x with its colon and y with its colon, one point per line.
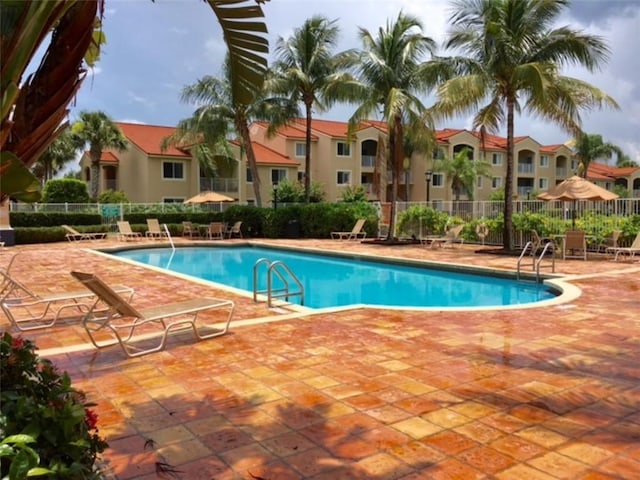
x: 602, y: 216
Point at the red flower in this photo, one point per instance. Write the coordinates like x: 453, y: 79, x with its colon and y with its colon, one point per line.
x: 17, y: 343
x: 91, y: 418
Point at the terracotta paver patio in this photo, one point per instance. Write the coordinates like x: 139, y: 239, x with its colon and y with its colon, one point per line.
x: 538, y: 393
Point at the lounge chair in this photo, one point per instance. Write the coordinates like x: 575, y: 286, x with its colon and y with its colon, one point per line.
x: 74, y: 236
x: 216, y: 230
x: 125, y: 233
x: 27, y: 310
x: 235, y: 230
x: 574, y: 245
x: 451, y: 237
x: 539, y: 242
x: 610, y: 242
x: 354, y: 234
x: 154, y: 231
x: 121, y: 321
x: 631, y: 250
x: 188, y: 229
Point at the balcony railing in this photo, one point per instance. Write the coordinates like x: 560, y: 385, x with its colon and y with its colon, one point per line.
x: 111, y: 185
x: 219, y: 184
x: 368, y: 161
x: 525, y: 168
x: 562, y: 173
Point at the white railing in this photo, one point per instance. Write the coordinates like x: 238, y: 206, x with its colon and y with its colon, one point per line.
x: 368, y: 161
x: 219, y: 184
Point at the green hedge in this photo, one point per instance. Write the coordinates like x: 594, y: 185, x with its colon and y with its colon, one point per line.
x: 53, y: 219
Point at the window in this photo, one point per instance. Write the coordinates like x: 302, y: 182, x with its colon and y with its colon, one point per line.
x: 574, y: 165
x: 173, y: 170
x: 300, y: 149
x: 479, y: 182
x: 344, y: 177
x: 437, y: 180
x: 344, y: 149
x: 543, y: 184
x: 278, y: 174
x: 438, y: 154
x: 173, y: 200
x: 496, y: 182
x: 544, y: 160
x: 301, y: 177
x: 496, y: 159
x: 249, y: 176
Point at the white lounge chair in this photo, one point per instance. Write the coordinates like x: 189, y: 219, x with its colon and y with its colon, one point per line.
x: 154, y: 231
x: 216, y: 230
x: 121, y: 321
x: 354, y: 234
x: 631, y: 250
x: 450, y: 238
x: 73, y: 235
x: 27, y: 310
x: 125, y: 233
x: 235, y: 230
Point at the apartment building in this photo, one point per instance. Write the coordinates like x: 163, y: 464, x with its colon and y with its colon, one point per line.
x: 147, y: 174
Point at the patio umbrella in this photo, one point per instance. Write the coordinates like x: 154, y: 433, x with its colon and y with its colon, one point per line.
x: 574, y: 189
x: 209, y: 197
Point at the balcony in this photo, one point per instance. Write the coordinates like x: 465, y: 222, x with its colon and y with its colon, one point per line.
x: 228, y: 185
x: 562, y: 172
x: 111, y: 185
x: 368, y: 161
x: 525, y: 168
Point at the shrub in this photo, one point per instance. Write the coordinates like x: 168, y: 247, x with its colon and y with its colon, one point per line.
x: 113, y: 196
x: 46, y: 425
x: 355, y: 193
x: 65, y: 190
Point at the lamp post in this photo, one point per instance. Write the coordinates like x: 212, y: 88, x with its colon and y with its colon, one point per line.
x: 275, y: 196
x: 427, y: 177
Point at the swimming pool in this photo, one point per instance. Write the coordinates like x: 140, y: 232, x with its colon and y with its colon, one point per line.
x: 335, y: 281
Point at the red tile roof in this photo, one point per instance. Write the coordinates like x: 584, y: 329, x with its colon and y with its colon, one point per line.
x: 292, y: 131
x: 600, y: 171
x: 108, y: 157
x: 267, y: 156
x: 149, y: 137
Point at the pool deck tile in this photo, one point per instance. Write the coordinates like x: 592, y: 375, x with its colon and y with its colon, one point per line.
x: 539, y: 393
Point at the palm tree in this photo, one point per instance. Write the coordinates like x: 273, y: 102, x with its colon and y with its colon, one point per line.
x: 625, y: 161
x: 33, y: 110
x: 219, y: 115
x: 512, y: 63
x: 60, y: 152
x: 308, y: 71
x: 462, y: 171
x: 392, y: 74
x: 101, y: 133
x: 589, y: 147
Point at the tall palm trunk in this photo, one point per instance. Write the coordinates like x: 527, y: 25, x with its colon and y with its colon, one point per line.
x: 307, y: 154
x: 95, y: 154
x: 396, y: 155
x: 507, y: 239
x: 243, y: 129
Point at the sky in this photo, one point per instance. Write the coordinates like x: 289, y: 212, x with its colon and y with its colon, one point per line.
x: 154, y: 49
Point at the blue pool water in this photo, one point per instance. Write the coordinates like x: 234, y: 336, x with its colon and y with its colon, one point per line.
x: 332, y: 281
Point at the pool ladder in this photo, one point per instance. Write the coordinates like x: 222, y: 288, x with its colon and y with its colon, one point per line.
x: 286, y: 277
x: 536, y: 263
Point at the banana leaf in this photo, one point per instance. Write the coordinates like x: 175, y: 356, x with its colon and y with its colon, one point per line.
x: 17, y: 181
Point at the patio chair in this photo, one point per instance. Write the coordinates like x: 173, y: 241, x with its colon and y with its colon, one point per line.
x: 154, y: 231
x: 121, y: 321
x: 450, y: 238
x: 610, y: 242
x: 125, y: 233
x: 27, y: 310
x: 574, y: 245
x: 355, y: 233
x: 538, y: 242
x: 188, y: 229
x: 74, y: 236
x: 216, y: 230
x: 631, y: 250
x: 235, y: 230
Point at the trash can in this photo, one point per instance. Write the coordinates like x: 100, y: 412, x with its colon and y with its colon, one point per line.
x: 292, y: 229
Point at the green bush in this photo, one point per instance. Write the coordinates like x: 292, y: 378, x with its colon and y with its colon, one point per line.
x: 53, y: 219
x: 419, y: 219
x: 39, y: 235
x: 113, y: 196
x: 47, y: 426
x: 65, y: 190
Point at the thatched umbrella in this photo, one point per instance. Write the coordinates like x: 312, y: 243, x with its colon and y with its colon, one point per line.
x: 209, y: 197
x: 574, y: 189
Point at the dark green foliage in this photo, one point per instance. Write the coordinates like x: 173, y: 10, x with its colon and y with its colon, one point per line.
x: 26, y: 236
x: 65, y: 190
x: 252, y: 218
x: 113, y: 196
x: 47, y: 426
x: 53, y: 219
